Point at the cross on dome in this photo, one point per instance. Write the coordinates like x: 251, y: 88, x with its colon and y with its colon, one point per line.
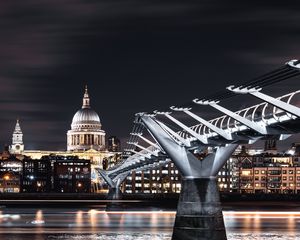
x: 86, y: 99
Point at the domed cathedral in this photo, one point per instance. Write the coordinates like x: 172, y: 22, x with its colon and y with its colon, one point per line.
x: 86, y: 132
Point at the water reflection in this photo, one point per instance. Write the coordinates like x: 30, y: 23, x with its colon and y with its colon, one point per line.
x: 79, y: 218
x: 93, y: 218
x: 96, y: 224
x: 262, y: 225
x: 291, y: 225
x: 257, y: 223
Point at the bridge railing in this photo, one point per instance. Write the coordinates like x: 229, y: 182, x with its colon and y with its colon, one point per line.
x: 262, y: 112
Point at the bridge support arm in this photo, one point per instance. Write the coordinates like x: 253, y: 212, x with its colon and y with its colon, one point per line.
x: 185, y: 161
x: 106, y: 178
x: 141, y: 154
x: 149, y: 142
x: 221, y: 156
x: 187, y: 129
x: 174, y: 134
x: 146, y: 149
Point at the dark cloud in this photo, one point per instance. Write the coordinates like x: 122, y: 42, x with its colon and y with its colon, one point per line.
x: 134, y: 55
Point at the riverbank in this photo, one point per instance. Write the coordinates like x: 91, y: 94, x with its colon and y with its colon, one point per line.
x: 146, y: 201
x: 231, y: 197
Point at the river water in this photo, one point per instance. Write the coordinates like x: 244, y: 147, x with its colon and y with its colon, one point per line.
x: 96, y: 224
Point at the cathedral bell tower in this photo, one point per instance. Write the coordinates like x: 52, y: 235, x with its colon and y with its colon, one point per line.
x: 17, y: 146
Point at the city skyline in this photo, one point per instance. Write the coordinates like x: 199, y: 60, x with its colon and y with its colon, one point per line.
x: 129, y: 55
x: 128, y: 119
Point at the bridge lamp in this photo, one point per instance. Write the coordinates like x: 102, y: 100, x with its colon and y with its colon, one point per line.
x: 294, y: 63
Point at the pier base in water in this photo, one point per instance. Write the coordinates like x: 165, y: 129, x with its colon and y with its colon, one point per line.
x: 199, y: 212
x: 115, y: 195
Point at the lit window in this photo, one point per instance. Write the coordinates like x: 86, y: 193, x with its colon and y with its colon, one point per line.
x: 246, y: 172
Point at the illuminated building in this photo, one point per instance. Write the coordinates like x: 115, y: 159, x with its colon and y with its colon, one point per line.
x: 96, y: 157
x: 86, y: 132
x: 10, y: 172
x: 268, y: 173
x: 56, y: 174
x: 71, y: 175
x: 86, y: 140
x: 36, y: 175
x: 17, y: 146
x: 114, y: 144
x: 247, y: 171
x: 165, y: 179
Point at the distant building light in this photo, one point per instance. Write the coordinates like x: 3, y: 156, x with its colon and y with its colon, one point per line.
x: 291, y: 152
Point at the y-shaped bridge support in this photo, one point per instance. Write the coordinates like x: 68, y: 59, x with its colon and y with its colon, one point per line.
x: 199, y: 213
x: 114, y: 193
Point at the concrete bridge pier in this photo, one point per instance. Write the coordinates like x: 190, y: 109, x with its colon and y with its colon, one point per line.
x: 114, y: 196
x: 199, y: 212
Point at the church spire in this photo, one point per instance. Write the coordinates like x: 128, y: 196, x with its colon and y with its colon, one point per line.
x: 17, y: 146
x: 86, y: 99
x: 17, y: 128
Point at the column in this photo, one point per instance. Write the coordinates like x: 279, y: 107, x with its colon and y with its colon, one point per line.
x: 199, y: 212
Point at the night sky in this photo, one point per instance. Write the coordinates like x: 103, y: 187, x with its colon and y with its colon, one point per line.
x: 134, y: 55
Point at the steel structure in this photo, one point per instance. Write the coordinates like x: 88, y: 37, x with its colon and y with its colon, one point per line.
x: 199, y: 214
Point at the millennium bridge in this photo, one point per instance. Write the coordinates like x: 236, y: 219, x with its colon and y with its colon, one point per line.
x: 199, y: 212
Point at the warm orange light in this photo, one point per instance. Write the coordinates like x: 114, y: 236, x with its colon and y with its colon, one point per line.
x: 79, y: 184
x: 246, y: 172
x: 6, y: 177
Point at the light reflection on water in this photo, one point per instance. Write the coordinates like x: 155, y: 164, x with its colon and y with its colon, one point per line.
x: 92, y: 224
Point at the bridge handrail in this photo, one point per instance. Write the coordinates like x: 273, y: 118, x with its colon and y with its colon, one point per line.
x: 219, y: 121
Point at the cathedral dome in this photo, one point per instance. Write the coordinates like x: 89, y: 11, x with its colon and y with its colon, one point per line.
x: 86, y: 118
x: 86, y: 132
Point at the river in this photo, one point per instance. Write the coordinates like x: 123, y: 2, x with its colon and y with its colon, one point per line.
x: 78, y: 223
